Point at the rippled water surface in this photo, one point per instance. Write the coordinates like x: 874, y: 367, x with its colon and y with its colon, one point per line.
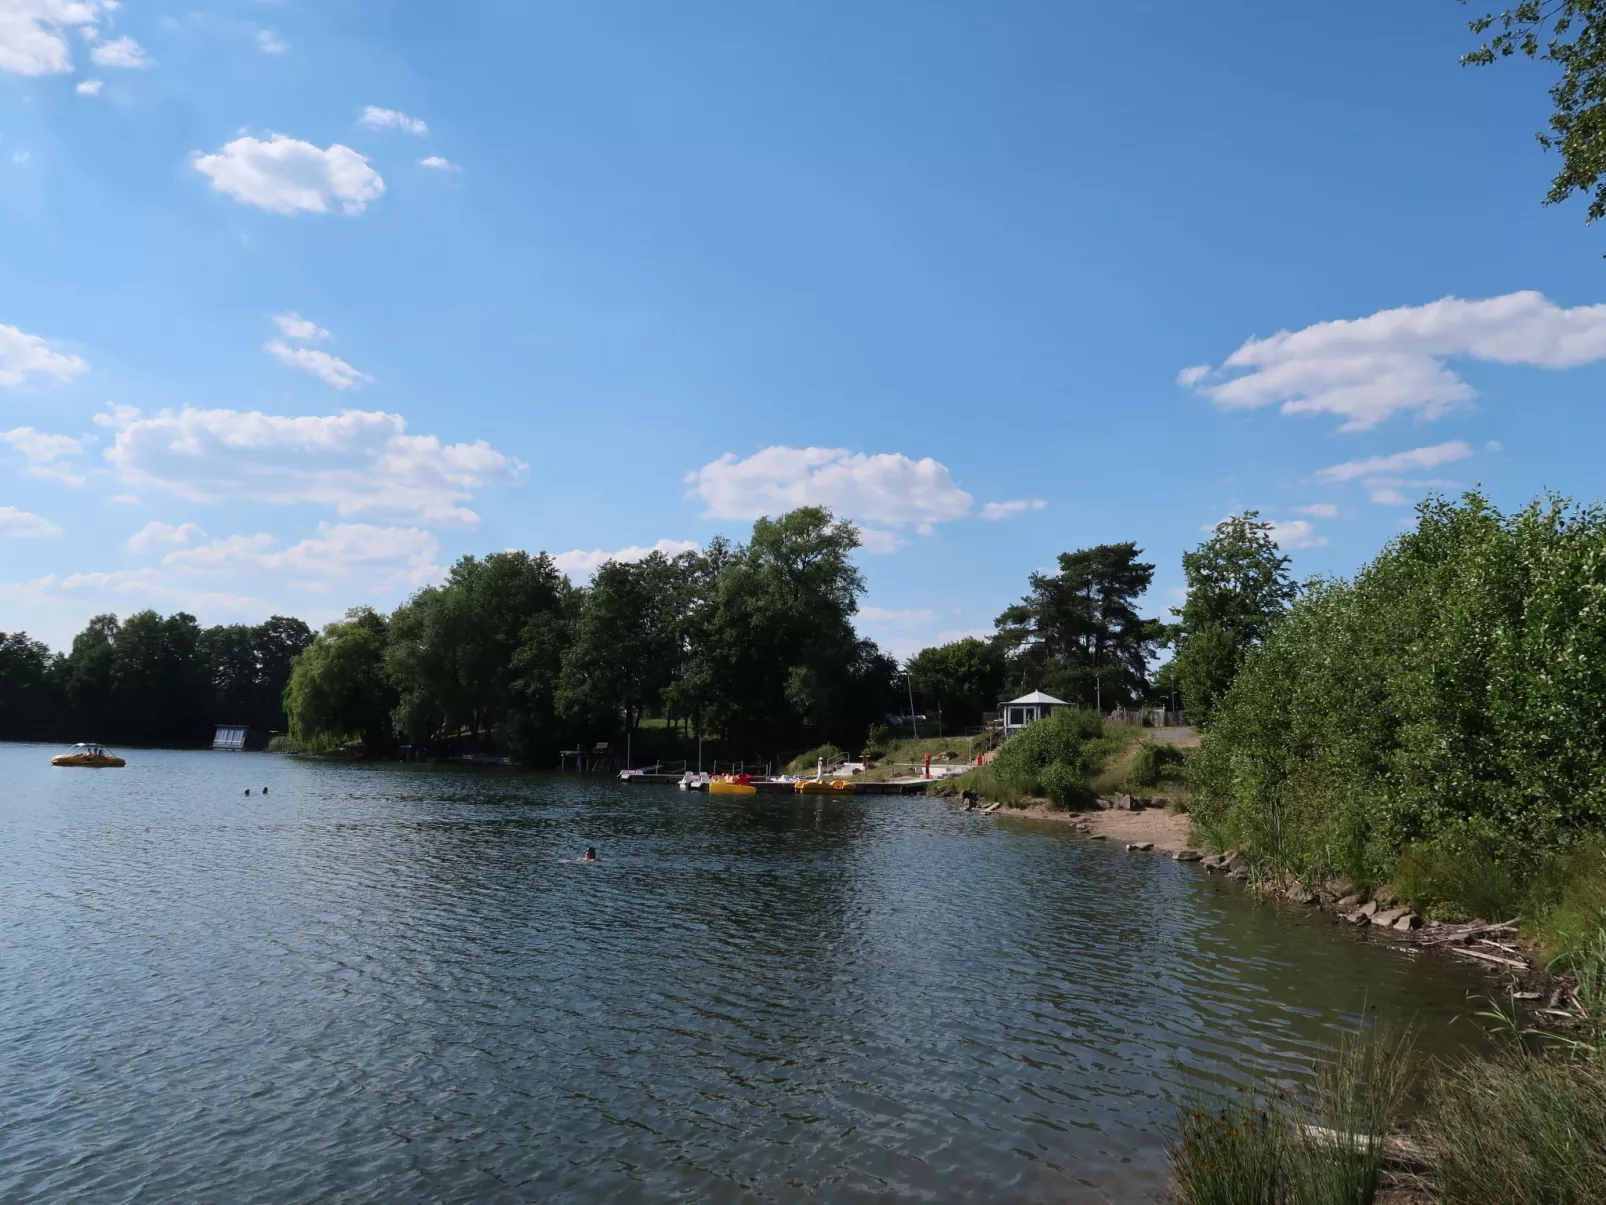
x: 392, y: 984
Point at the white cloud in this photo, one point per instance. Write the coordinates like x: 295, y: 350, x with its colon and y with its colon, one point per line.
x: 1288, y: 533
x: 579, y: 562
x: 294, y: 326
x: 20, y: 156
x: 378, y: 556
x: 122, y: 52
x: 1367, y: 369
x: 286, y: 175
x: 439, y: 164
x: 882, y: 615
x: 43, y: 452
x: 20, y: 525
x: 880, y: 543
x: 1318, y: 510
x: 270, y: 42
x: 155, y: 535
x: 994, y: 511
x: 395, y: 119
x: 1399, y: 462
x: 330, y: 369
x: 1189, y: 377
x: 1296, y: 533
x: 32, y: 40
x: 889, y: 488
x: 148, y: 583
x: 23, y: 355
x: 90, y: 87
x: 356, y: 461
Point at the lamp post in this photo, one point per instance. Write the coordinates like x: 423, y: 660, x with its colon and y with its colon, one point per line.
x: 913, y: 719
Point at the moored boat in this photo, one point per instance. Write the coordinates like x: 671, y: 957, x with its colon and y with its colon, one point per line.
x: 93, y: 757
x: 837, y: 786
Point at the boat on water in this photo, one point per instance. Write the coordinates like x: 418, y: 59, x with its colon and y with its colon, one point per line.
x: 94, y: 757
x: 837, y: 786
x: 732, y: 784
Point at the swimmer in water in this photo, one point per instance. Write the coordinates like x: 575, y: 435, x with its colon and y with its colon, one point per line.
x: 591, y: 854
x: 247, y: 790
x: 264, y: 790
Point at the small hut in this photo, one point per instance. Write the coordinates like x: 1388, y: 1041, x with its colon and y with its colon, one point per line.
x: 1028, y: 709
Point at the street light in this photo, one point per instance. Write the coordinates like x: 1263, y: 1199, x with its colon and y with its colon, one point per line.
x: 913, y: 719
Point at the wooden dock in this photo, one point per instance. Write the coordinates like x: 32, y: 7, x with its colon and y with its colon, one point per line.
x: 764, y: 786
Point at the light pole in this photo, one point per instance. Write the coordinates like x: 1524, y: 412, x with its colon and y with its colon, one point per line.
x: 913, y: 719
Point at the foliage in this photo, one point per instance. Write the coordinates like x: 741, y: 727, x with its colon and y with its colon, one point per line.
x: 1050, y: 757
x: 148, y: 680
x: 807, y: 763
x: 1078, y: 635
x: 339, y: 690
x: 1519, y: 1129
x: 1448, y: 697
x: 1263, y: 1146
x: 1456, y: 886
x: 1153, y: 763
x: 1572, y: 35
x: 964, y: 678
x: 1238, y: 586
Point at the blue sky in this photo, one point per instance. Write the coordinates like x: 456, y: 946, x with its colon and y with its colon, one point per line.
x: 299, y: 302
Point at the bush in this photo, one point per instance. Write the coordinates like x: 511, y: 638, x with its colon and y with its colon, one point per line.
x: 1456, y: 885
x: 877, y: 741
x: 1447, y: 697
x: 1151, y: 763
x: 1063, y: 784
x: 807, y: 763
x: 1060, y: 738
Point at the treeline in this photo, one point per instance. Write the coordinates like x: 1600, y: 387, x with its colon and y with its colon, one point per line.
x: 751, y: 645
x: 148, y: 680
x: 1438, y: 719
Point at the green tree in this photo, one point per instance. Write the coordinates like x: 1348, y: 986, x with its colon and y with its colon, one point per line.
x: 159, y: 686
x: 1238, y: 586
x: 339, y: 690
x: 453, y: 648
x: 32, y: 701
x: 966, y: 677
x: 1078, y: 634
x: 89, y: 679
x: 1571, y: 34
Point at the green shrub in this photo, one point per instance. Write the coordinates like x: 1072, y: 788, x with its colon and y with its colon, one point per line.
x: 807, y: 763
x: 1456, y: 886
x: 1064, y: 785
x: 1153, y: 763
x: 877, y: 741
x: 1060, y: 738
x: 1448, y: 696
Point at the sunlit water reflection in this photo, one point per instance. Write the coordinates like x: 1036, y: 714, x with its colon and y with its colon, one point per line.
x: 383, y: 984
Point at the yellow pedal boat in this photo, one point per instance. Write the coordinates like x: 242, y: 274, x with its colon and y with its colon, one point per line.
x: 92, y: 756
x: 731, y: 786
x: 836, y: 786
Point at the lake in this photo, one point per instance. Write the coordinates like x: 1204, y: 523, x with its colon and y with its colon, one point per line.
x: 396, y: 983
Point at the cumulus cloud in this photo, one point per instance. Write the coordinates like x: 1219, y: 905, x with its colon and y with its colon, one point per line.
x: 330, y: 369
x: 1365, y: 370
x: 286, y: 175
x: 89, y: 87
x: 1400, y: 462
x: 379, y: 556
x: 888, y: 488
x: 1318, y: 510
x: 394, y: 119
x: 438, y: 163
x: 33, y: 33
x: 23, y: 355
x: 270, y: 42
x: 44, y: 453
x: 121, y: 52
x: 358, y: 462
x: 155, y: 536
x: 20, y: 525
x: 580, y: 563
x: 293, y: 326
x: 994, y: 511
x: 149, y: 583
x: 1288, y: 533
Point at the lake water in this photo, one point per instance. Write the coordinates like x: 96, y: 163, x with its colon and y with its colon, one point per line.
x: 396, y: 984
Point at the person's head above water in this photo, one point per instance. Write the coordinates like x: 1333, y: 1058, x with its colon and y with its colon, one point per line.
x: 591, y: 853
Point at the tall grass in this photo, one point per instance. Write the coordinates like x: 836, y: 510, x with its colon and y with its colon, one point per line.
x: 1321, y: 1147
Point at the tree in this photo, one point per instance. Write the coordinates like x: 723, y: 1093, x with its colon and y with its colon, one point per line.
x: 88, y: 679
x: 1238, y: 586
x: 31, y: 698
x: 339, y: 690
x: 966, y: 678
x: 159, y: 686
x: 1078, y: 634
x: 1572, y: 35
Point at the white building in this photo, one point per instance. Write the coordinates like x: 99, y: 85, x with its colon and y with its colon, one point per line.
x: 1028, y: 708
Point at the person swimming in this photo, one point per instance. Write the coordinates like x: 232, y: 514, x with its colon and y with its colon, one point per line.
x: 591, y: 854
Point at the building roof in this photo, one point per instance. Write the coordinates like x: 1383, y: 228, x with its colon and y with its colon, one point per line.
x: 1037, y: 696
